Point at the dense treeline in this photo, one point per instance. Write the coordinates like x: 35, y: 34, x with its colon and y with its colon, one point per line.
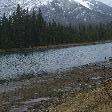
x: 24, y: 29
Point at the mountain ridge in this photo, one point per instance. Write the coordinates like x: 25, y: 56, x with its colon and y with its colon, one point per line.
x: 64, y: 11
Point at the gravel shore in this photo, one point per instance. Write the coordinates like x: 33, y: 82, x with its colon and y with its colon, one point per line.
x: 38, y: 93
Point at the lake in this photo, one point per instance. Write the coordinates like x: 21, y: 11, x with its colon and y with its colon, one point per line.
x: 52, y: 60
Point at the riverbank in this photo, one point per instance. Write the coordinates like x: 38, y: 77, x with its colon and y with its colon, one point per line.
x: 46, y: 93
x: 42, y: 48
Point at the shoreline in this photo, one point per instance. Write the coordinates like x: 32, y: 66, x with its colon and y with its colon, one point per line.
x: 50, y: 74
x: 42, y: 48
x: 42, y: 92
x: 90, y: 66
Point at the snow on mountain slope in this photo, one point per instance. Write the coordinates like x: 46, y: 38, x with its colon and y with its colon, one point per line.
x: 64, y: 11
x: 108, y: 2
x: 96, y: 6
x: 86, y: 3
x: 8, y: 6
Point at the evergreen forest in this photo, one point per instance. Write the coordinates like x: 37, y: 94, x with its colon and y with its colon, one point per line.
x: 24, y: 29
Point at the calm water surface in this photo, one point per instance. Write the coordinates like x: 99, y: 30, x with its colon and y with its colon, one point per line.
x: 52, y: 60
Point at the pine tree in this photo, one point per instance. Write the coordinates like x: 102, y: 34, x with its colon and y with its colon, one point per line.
x: 4, y: 32
x: 41, y: 27
x: 19, y: 27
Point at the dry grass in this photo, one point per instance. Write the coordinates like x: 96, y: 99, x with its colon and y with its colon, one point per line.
x: 98, y: 100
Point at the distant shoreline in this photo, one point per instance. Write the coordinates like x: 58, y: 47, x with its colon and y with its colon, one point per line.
x: 59, y: 46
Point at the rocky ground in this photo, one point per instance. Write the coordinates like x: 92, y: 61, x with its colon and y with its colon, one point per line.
x: 62, y: 92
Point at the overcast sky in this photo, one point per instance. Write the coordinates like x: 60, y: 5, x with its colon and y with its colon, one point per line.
x: 109, y: 2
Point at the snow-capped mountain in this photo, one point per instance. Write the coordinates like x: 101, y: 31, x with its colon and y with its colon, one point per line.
x: 72, y: 11
x: 64, y: 11
x: 96, y: 6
